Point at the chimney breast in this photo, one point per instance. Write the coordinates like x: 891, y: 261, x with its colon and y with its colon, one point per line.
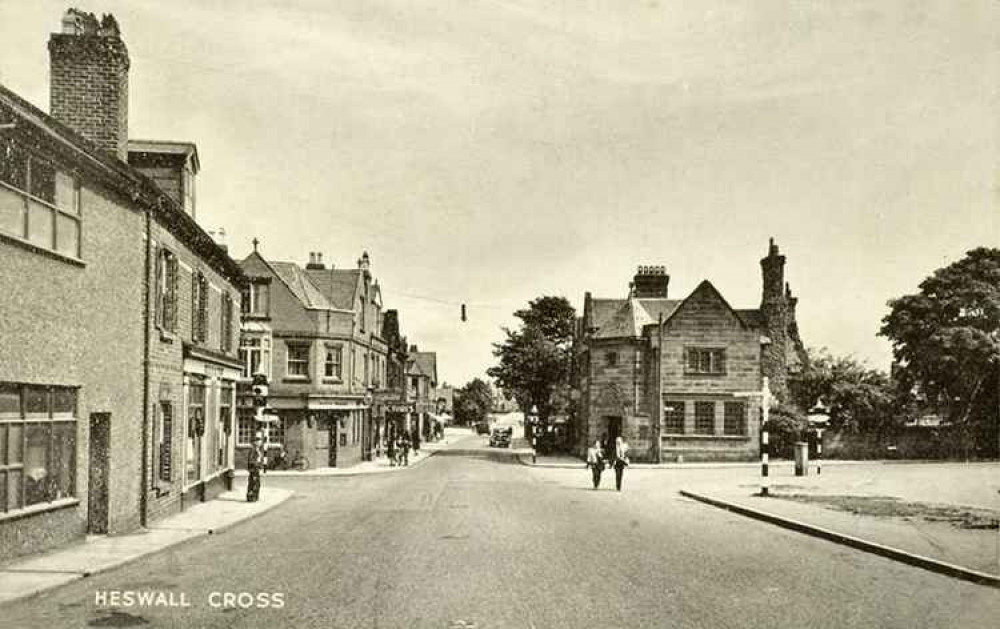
x: 88, y: 88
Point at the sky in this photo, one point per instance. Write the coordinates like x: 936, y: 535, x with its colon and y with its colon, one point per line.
x: 490, y: 152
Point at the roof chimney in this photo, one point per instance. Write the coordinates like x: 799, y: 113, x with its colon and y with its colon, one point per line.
x: 650, y: 282
x: 88, y: 88
x: 315, y: 261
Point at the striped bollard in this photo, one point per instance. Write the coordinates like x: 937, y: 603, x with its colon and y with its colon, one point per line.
x: 763, y: 462
x: 819, y: 451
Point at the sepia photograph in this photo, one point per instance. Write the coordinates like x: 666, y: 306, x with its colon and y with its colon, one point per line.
x: 490, y: 314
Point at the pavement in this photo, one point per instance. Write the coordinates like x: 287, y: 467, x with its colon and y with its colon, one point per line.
x: 472, y: 539
x: 98, y: 553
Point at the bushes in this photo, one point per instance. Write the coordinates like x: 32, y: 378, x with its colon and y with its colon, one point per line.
x: 785, y: 426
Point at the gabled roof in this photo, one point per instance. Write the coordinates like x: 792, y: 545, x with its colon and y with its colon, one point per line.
x: 301, y: 286
x: 338, y: 286
x: 703, y: 286
x: 753, y: 317
x: 422, y: 364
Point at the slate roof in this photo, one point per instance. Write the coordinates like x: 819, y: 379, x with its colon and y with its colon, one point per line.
x: 339, y: 286
x: 753, y: 317
x: 423, y: 364
x: 301, y: 286
x: 628, y: 319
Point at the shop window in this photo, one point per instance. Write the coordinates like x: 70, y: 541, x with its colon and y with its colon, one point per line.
x: 37, y: 445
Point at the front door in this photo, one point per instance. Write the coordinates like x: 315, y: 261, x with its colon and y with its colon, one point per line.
x: 97, y: 478
x: 322, y: 456
x: 614, y: 430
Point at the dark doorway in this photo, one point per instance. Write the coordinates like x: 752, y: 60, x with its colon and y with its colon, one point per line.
x: 334, y: 444
x: 614, y: 429
x: 97, y: 480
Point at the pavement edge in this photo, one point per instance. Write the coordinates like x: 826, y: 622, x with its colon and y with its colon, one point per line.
x: 73, y: 577
x: 889, y: 552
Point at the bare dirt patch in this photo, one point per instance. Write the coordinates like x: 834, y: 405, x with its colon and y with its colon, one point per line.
x: 890, y: 507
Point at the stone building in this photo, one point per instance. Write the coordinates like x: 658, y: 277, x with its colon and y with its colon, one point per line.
x: 711, y: 355
x: 117, y: 326
x: 316, y: 332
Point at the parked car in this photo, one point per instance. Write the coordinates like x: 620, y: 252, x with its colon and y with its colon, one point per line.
x: 500, y: 438
x: 483, y: 428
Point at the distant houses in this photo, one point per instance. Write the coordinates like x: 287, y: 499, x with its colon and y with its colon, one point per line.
x: 688, y: 363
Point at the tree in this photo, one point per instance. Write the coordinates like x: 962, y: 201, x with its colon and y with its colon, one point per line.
x: 860, y: 399
x: 472, y: 402
x: 534, y: 360
x: 946, y: 343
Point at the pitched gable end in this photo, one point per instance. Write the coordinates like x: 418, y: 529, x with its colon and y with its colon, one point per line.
x: 703, y: 297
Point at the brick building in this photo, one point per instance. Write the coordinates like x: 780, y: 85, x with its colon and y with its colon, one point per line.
x: 117, y: 326
x: 316, y: 332
x: 710, y: 354
x: 421, y: 380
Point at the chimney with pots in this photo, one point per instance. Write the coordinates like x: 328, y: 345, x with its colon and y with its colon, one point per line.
x: 88, y: 88
x: 650, y: 282
x: 315, y: 261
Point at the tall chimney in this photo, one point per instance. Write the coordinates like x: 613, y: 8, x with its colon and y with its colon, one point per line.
x: 88, y: 88
x: 315, y: 261
x: 774, y: 308
x: 650, y: 282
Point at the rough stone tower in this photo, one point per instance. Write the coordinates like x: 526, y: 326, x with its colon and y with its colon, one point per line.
x: 774, y: 308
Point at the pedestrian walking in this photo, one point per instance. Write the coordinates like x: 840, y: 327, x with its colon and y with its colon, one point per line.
x: 404, y: 449
x: 595, y: 461
x: 391, y: 449
x: 256, y: 460
x: 619, y: 460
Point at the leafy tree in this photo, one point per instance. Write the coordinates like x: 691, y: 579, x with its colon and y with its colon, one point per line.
x: 860, y: 399
x: 534, y: 361
x: 472, y: 402
x: 946, y: 343
x: 786, y: 424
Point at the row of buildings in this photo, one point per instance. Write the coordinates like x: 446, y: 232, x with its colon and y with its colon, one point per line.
x: 128, y: 334
x: 693, y: 367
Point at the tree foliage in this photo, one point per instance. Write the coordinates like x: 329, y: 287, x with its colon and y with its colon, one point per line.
x: 946, y: 341
x: 534, y: 360
x: 472, y: 402
x: 860, y: 399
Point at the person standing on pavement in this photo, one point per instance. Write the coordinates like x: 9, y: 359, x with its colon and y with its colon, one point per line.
x: 619, y: 460
x: 256, y: 460
x: 595, y: 461
x: 390, y: 448
x: 404, y: 449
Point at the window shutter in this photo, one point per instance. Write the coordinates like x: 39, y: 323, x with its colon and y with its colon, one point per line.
x: 165, y: 449
x: 170, y: 309
x: 195, y: 294
x: 158, y: 281
x: 203, y: 312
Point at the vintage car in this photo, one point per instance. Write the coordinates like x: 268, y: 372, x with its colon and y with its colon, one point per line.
x: 500, y: 438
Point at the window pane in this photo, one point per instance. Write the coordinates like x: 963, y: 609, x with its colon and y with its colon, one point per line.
x: 11, y: 212
x: 36, y: 401
x: 64, y: 401
x: 13, y: 164
x: 37, y: 480
x: 10, y: 401
x: 15, y: 435
x: 63, y: 464
x: 43, y: 180
x: 704, y: 418
x: 41, y: 224
x: 68, y: 235
x: 14, y: 489
x: 66, y: 193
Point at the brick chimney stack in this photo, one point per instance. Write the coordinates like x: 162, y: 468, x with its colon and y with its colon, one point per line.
x: 315, y: 261
x: 774, y: 306
x: 88, y: 88
x: 650, y: 282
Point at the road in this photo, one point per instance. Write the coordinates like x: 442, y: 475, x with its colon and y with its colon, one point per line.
x: 472, y: 538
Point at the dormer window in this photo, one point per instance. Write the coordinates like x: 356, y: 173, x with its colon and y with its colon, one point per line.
x: 256, y: 298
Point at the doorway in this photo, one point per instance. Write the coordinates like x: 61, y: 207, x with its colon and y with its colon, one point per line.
x: 614, y: 429
x: 97, y: 477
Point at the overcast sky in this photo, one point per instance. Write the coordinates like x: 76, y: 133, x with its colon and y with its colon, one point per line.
x: 488, y: 152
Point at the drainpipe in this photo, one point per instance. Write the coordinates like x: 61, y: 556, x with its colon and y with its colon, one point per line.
x: 143, y: 499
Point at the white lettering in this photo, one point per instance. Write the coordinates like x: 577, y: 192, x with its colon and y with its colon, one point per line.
x: 229, y: 599
x: 146, y: 598
x: 278, y: 600
x: 213, y: 598
x: 101, y: 598
x: 184, y: 601
x: 115, y: 600
x: 245, y: 600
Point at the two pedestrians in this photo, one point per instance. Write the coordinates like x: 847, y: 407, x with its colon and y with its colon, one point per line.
x: 614, y: 455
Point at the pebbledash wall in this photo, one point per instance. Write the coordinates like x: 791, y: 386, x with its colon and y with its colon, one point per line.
x: 69, y: 321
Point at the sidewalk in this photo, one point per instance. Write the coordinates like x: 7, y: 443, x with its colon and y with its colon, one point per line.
x: 29, y: 576
x: 522, y: 448
x: 452, y: 436
x: 938, y: 516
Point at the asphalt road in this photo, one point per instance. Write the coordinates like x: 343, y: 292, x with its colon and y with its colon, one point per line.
x: 471, y: 538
